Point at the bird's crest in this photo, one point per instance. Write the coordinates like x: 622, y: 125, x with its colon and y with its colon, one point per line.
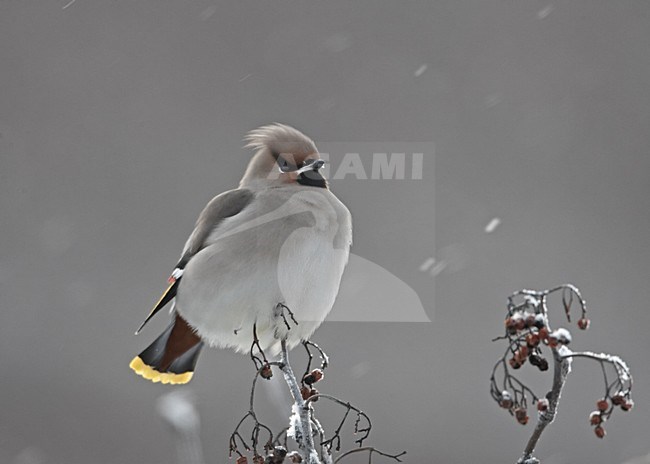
x: 279, y: 138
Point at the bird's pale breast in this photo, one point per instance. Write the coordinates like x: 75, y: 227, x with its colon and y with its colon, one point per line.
x: 289, y: 246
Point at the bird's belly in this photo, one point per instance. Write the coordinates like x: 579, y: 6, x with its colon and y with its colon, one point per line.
x: 236, y: 283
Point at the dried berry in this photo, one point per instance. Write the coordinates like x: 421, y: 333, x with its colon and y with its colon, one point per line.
x: 583, y: 323
x: 313, y: 392
x: 543, y: 334
x: 279, y: 452
x: 514, y: 363
x: 595, y: 418
x: 543, y: 365
x: 530, y: 320
x: 532, y: 340
x: 257, y: 459
x: 552, y: 341
x: 506, y: 400
x: 304, y: 392
x: 520, y: 323
x: 600, y: 432
x: 313, y: 377
x: 563, y: 336
x: 618, y: 399
x: 522, y: 353
x: 521, y: 415
x: 542, y: 405
x: 242, y: 460
x: 539, y: 321
x: 266, y: 372
x: 602, y: 405
x: 629, y: 404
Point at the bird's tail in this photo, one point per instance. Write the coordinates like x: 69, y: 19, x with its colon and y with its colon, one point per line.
x: 171, y: 358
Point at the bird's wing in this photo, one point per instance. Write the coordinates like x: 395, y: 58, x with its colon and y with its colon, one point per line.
x: 222, y: 206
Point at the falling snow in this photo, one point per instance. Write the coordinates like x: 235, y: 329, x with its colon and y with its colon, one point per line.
x: 544, y: 12
x: 421, y: 70
x: 492, y: 225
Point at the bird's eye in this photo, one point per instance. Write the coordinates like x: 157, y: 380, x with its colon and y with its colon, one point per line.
x: 284, y: 165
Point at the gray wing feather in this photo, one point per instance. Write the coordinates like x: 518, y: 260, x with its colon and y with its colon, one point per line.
x: 220, y: 207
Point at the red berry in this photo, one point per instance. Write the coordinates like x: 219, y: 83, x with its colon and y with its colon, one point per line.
x: 595, y: 418
x: 603, y: 405
x: 542, y: 405
x: 313, y: 377
x: 505, y: 400
x: 532, y: 340
x: 600, y: 432
x: 543, y: 333
x: 530, y: 320
x: 266, y: 372
x: 629, y: 404
x: 584, y: 323
x: 514, y: 363
x: 552, y: 341
x: 521, y: 415
x: 305, y: 392
x: 242, y: 460
x: 539, y: 321
x: 522, y: 353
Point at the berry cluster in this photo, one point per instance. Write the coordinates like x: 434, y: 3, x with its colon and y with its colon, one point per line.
x: 529, y: 337
x: 604, y: 409
x: 528, y: 332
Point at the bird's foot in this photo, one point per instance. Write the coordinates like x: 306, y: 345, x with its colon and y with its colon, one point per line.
x: 280, y: 310
x: 258, y: 359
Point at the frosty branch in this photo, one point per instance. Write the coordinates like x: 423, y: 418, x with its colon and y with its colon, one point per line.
x: 314, y: 446
x: 528, y: 335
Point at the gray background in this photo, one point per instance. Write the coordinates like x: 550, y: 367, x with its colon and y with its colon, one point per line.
x: 120, y: 119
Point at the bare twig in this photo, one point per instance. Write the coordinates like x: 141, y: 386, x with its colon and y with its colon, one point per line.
x: 358, y: 427
x: 371, y: 450
x: 562, y: 367
x: 304, y: 427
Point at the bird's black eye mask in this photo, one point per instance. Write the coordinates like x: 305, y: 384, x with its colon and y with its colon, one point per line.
x: 308, y: 170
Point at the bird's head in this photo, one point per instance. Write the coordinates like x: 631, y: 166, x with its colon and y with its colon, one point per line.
x: 283, y: 155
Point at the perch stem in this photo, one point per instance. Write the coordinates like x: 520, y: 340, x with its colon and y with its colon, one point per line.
x: 303, y: 432
x: 561, y: 369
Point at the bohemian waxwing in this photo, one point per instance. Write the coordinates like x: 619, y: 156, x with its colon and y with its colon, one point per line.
x: 278, y: 243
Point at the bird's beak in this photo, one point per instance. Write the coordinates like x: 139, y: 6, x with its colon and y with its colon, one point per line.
x: 313, y: 166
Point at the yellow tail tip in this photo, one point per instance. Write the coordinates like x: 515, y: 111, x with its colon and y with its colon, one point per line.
x: 139, y: 367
